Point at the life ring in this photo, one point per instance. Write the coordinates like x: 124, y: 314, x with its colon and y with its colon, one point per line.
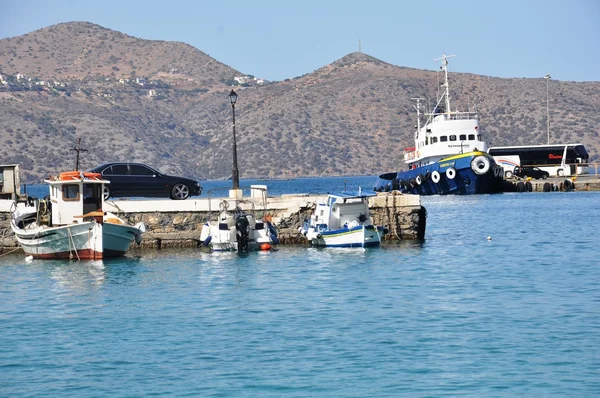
x: 419, y: 179
x: 480, y: 165
x: 435, y: 176
x: 451, y: 173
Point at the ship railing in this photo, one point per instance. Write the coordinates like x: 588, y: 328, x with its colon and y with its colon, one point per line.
x: 454, y: 115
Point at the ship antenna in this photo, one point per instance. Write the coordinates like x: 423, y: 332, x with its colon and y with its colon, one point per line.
x: 78, y: 149
x: 444, y: 67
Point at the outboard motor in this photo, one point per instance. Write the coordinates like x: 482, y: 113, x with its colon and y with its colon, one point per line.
x: 242, y: 225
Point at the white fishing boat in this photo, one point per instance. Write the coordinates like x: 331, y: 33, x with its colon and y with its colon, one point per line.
x: 70, y: 222
x: 343, y: 221
x: 238, y: 230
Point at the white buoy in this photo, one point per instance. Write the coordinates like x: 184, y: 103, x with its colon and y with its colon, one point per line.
x: 489, y: 238
x: 29, y: 259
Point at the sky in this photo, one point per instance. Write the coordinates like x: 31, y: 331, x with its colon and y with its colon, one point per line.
x: 278, y: 39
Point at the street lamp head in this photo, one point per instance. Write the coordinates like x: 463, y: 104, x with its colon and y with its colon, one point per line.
x: 233, y: 97
x: 547, y: 77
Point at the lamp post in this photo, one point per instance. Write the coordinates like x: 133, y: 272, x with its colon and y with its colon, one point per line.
x: 547, y: 77
x: 235, y: 175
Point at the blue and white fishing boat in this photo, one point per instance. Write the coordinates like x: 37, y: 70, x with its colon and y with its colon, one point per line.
x: 449, y: 155
x: 343, y: 221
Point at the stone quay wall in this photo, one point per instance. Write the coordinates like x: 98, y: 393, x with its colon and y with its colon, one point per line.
x: 172, y: 223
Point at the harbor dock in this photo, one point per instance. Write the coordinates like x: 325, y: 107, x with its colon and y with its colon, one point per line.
x: 178, y: 223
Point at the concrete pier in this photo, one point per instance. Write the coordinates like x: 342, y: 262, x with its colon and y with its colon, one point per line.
x: 172, y: 223
x: 561, y: 184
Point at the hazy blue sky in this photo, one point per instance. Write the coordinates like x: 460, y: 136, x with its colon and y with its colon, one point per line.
x: 278, y: 39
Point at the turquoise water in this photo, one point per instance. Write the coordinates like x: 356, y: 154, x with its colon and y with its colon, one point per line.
x: 456, y: 315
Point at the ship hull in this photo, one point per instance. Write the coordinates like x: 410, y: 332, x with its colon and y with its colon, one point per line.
x: 464, y: 174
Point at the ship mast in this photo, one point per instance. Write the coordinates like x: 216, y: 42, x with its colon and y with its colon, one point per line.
x: 444, y: 67
x: 418, y: 108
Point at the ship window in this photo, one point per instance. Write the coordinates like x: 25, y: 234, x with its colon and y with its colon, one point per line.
x: 443, y: 138
x: 426, y: 140
x: 452, y: 137
x: 70, y: 192
x: 478, y: 137
x: 463, y: 137
x: 433, y: 140
x: 471, y: 137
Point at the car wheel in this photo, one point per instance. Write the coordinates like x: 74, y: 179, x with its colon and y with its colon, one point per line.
x: 544, y: 177
x: 180, y: 192
x: 106, y: 192
x: 561, y: 173
x: 509, y: 174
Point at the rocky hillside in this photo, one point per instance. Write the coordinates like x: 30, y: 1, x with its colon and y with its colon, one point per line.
x: 166, y: 104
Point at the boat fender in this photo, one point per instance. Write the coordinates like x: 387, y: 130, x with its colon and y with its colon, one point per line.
x: 435, y: 176
x: 395, y: 184
x: 480, y: 165
x: 412, y: 182
x: 427, y: 175
x: 319, y: 236
x: 207, y: 240
x: 451, y: 173
x: 419, y: 179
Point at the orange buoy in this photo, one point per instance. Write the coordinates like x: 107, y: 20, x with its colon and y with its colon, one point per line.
x: 265, y: 247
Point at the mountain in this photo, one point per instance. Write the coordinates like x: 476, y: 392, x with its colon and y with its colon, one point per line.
x: 166, y: 104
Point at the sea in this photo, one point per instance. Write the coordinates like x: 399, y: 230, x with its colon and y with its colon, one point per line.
x: 501, y: 299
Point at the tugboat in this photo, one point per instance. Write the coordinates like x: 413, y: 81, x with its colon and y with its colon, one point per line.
x: 449, y: 155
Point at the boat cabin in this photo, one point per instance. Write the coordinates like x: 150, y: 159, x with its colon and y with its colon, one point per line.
x: 75, y: 194
x: 342, y: 209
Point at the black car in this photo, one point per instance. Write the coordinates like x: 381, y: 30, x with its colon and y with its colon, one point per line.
x: 136, y: 179
x: 533, y: 172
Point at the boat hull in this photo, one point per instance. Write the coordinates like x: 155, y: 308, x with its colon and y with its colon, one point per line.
x: 458, y: 175
x: 227, y: 239
x: 360, y: 236
x: 84, y: 241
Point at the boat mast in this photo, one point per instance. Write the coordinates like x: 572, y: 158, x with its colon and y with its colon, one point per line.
x: 444, y: 67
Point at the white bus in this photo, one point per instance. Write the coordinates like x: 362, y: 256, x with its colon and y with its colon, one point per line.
x: 558, y: 159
